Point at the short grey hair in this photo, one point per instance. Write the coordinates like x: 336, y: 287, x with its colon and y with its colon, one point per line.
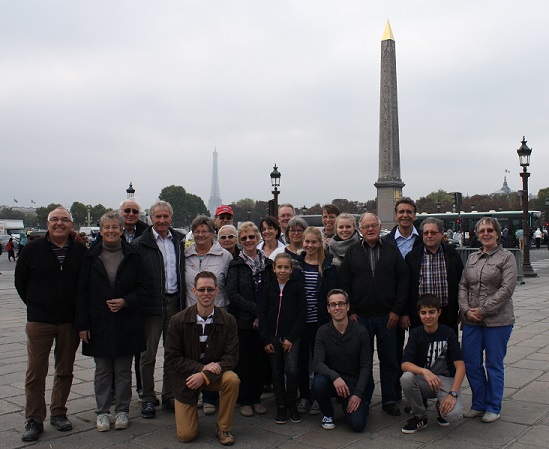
x: 121, y: 206
x: 111, y: 216
x: 292, y: 223
x: 231, y: 227
x: 203, y: 220
x: 369, y: 214
x: 161, y: 205
x: 60, y: 208
x: 432, y: 220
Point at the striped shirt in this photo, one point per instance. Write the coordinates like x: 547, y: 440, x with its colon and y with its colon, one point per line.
x: 311, y: 274
x: 205, y: 330
x: 433, y: 278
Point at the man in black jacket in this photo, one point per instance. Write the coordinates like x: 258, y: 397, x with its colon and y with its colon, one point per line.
x: 162, y: 249
x: 435, y: 268
x: 46, y: 278
x: 375, y: 276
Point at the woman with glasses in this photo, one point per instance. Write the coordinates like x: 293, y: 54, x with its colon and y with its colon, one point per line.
x: 206, y: 255
x: 270, y: 231
x: 294, y: 236
x: 246, y: 278
x: 486, y: 305
x: 226, y: 236
x: 112, y: 290
x: 346, y: 234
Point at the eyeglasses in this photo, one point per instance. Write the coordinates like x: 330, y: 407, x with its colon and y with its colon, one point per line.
x: 486, y: 230
x: 201, y: 232
x: 205, y: 289
x: 247, y: 237
x: 296, y: 231
x: 61, y: 219
x: 430, y: 232
x: 225, y: 237
x: 225, y: 217
x: 371, y: 226
x: 133, y: 211
x: 333, y: 305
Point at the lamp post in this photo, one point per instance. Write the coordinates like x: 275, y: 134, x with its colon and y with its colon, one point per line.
x: 275, y: 182
x: 524, y: 158
x: 130, y: 191
x: 438, y: 207
x: 547, y: 218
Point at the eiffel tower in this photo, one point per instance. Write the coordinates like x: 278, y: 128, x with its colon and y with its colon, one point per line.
x: 215, y: 195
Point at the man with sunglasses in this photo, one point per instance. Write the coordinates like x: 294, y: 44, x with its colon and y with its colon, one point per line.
x: 435, y: 268
x: 342, y: 365
x: 202, y: 350
x: 223, y: 216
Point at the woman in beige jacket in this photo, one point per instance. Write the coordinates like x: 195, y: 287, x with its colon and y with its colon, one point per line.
x: 485, y: 302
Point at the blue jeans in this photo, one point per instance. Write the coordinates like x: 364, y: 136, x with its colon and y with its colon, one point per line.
x: 486, y: 383
x: 284, y: 365
x: 324, y: 391
x: 389, y: 368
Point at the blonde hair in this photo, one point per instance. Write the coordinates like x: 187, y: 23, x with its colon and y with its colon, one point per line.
x: 321, y: 255
x: 248, y: 226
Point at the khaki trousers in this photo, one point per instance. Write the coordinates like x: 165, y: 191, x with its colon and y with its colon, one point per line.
x: 186, y: 415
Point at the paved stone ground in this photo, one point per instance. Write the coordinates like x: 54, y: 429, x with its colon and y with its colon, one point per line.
x: 524, y: 423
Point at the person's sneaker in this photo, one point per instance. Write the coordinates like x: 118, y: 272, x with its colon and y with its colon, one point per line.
x: 103, y: 422
x: 294, y: 414
x: 280, y: 415
x: 303, y: 406
x: 140, y: 395
x: 328, y: 423
x: 259, y: 409
x: 147, y: 410
x: 490, y: 417
x: 32, y: 430
x: 391, y: 409
x: 61, y: 423
x: 315, y: 409
x: 169, y: 405
x: 472, y: 413
x: 414, y: 424
x: 121, y: 421
x: 208, y: 409
x: 245, y: 410
x: 440, y: 420
x: 225, y: 437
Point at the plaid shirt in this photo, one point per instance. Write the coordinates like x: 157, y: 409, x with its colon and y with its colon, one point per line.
x: 433, y: 277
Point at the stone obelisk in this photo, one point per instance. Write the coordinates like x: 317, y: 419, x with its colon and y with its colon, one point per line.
x: 215, y: 195
x: 389, y: 185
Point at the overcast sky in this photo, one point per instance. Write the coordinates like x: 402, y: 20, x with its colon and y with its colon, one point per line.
x: 94, y: 95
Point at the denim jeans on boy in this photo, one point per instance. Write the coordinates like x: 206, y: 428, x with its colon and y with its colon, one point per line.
x: 389, y: 369
x: 486, y: 383
x: 324, y: 391
x: 284, y: 365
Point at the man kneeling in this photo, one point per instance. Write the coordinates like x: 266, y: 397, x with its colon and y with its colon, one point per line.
x: 433, y: 368
x: 202, y: 347
x: 342, y: 365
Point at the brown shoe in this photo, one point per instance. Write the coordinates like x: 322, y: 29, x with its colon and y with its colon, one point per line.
x: 225, y: 437
x: 247, y: 411
x: 260, y: 409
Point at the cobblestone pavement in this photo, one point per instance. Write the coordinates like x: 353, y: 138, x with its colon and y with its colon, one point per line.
x: 524, y: 422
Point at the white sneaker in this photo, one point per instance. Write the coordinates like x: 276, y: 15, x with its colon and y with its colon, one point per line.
x: 472, y: 413
x: 328, y: 423
x: 121, y: 421
x: 490, y: 417
x: 103, y: 422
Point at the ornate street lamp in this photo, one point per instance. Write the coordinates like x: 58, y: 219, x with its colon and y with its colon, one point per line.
x: 524, y: 158
x: 547, y: 218
x: 438, y: 207
x: 275, y: 182
x: 130, y: 191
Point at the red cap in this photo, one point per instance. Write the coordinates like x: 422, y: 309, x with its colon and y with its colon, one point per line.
x: 224, y: 210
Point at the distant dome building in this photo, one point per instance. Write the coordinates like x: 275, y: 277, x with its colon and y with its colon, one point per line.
x: 505, y: 190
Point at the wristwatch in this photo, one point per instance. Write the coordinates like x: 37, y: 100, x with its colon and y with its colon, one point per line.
x: 454, y: 394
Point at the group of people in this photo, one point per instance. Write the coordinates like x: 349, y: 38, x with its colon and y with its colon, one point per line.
x: 282, y: 303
